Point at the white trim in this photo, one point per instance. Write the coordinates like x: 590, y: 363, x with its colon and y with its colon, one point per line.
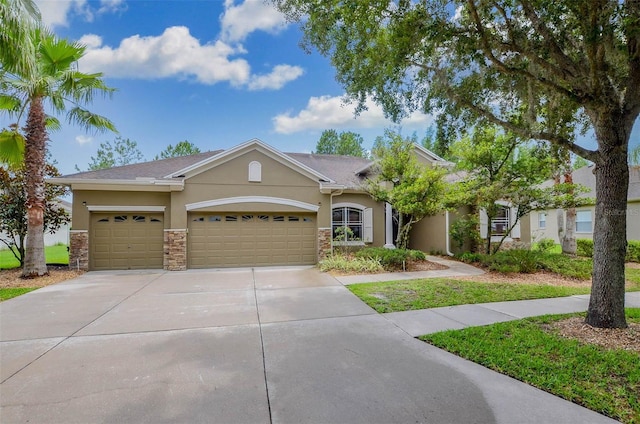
x: 138, y: 181
x: 78, y: 231
x: 348, y: 205
x: 128, y: 208
x: 227, y: 155
x: 184, y: 230
x: 252, y: 199
x: 255, y: 172
x: 349, y: 243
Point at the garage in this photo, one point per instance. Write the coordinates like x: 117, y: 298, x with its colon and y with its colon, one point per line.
x: 251, y: 239
x: 126, y: 241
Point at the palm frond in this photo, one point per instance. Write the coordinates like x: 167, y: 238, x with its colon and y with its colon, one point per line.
x: 90, y: 121
x: 11, y: 148
x: 52, y: 123
x: 10, y: 103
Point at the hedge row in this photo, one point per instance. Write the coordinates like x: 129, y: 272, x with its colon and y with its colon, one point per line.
x: 585, y: 248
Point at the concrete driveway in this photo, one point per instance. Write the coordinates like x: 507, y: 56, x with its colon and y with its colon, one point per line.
x: 286, y: 345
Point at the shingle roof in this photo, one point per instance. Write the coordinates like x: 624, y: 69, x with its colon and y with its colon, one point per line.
x: 341, y: 169
x: 586, y: 177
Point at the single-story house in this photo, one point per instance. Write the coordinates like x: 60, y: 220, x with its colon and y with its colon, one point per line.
x: 544, y: 224
x: 250, y: 205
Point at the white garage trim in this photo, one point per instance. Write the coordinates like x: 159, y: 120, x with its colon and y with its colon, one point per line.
x: 252, y: 199
x: 103, y: 208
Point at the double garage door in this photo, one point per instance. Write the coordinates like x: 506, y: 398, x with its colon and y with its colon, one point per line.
x: 248, y: 239
x: 126, y: 241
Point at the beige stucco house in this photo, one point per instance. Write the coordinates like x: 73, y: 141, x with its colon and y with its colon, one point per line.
x: 544, y: 224
x: 250, y: 205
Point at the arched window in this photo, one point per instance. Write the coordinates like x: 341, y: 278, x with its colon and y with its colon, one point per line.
x: 255, y: 172
x: 347, y: 224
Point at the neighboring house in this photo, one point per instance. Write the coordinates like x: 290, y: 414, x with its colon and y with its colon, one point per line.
x: 251, y: 205
x: 544, y: 224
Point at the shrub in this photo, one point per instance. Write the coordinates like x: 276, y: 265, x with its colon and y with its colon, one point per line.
x: 545, y: 245
x: 390, y: 258
x: 514, y: 260
x: 633, y: 251
x: 565, y: 265
x: 584, y: 247
x: 470, y: 258
x: 349, y: 264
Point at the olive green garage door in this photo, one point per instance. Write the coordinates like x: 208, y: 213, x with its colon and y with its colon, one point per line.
x: 251, y: 239
x: 126, y: 241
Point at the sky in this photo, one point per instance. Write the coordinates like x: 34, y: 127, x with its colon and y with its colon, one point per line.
x: 214, y: 72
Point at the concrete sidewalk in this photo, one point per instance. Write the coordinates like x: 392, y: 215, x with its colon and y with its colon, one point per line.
x: 425, y: 321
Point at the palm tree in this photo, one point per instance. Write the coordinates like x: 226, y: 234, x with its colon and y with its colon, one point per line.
x: 54, y: 82
x: 16, y: 52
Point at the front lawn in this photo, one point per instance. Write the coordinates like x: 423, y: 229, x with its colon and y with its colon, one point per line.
x: 57, y: 254
x: 606, y: 380
x: 8, y: 293
x: 396, y: 296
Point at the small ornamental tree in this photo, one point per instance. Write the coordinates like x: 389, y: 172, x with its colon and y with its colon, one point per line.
x: 502, y: 170
x: 415, y: 191
x: 13, y: 214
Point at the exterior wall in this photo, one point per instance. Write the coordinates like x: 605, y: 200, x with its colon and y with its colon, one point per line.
x: 175, y: 250
x: 79, y: 250
x: 551, y: 230
x: 231, y: 179
x: 430, y: 234
x: 82, y: 198
x: 324, y: 242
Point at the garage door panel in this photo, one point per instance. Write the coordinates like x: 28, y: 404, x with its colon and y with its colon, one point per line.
x: 126, y: 241
x: 249, y: 239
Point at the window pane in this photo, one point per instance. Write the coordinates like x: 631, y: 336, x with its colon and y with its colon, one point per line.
x: 355, y: 216
x: 583, y: 222
x: 338, y: 214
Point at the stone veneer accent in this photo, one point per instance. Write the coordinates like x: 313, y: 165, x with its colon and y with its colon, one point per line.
x: 175, y: 250
x: 79, y: 249
x: 324, y: 243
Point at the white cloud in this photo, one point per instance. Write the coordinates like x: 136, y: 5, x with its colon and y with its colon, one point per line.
x: 58, y: 12
x: 174, y: 53
x: 84, y: 139
x: 333, y: 112
x: 279, y: 76
x: 240, y: 20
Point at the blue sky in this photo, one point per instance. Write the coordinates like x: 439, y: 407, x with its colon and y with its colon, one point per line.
x: 214, y: 72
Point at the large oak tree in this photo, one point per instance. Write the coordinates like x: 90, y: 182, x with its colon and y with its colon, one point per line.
x: 538, y: 68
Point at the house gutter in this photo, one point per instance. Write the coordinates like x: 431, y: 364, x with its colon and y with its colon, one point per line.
x: 338, y: 192
x: 447, y: 236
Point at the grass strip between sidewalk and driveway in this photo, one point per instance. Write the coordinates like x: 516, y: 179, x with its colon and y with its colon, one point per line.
x: 531, y: 350
x: 408, y: 295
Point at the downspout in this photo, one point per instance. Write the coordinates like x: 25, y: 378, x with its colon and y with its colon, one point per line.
x: 447, y: 237
x: 336, y: 193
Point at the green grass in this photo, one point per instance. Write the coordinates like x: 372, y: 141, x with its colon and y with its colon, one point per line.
x: 606, y: 381
x: 8, y: 293
x: 395, y: 296
x: 54, y: 255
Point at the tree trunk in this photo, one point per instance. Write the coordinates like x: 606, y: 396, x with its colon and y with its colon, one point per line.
x: 606, y: 305
x: 34, y: 156
x: 569, y: 245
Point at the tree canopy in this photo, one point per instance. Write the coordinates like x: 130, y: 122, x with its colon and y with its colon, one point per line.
x: 122, y: 151
x: 540, y: 69
x: 183, y: 148
x: 346, y: 143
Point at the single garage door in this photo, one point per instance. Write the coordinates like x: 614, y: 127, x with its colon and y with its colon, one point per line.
x: 126, y: 241
x: 251, y: 239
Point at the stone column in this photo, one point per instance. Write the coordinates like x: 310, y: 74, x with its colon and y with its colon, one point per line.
x: 324, y: 243
x: 175, y: 250
x: 79, y: 249
x: 388, y: 227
